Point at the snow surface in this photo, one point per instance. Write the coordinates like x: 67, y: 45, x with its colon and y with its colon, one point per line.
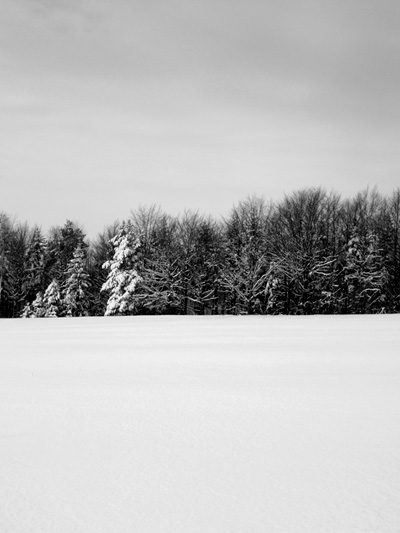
x: 200, y: 424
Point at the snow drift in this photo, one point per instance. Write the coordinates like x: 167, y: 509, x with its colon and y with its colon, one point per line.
x: 200, y: 424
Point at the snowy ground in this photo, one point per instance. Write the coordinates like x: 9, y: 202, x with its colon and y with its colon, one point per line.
x: 200, y: 424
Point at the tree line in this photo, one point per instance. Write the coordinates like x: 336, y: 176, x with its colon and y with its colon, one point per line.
x: 310, y: 253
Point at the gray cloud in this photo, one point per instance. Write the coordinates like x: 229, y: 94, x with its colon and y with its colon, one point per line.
x: 273, y: 95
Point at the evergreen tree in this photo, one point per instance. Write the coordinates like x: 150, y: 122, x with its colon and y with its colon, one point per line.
x: 123, y: 277
x: 62, y: 243
x: 27, y: 311
x: 52, y: 300
x: 13, y: 245
x: 36, y: 309
x: 76, y: 285
x: 34, y: 265
x: 100, y: 251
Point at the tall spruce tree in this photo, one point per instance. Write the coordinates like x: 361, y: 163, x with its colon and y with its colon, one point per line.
x: 34, y: 265
x: 62, y: 243
x: 76, y: 285
x: 52, y: 300
x: 123, y: 277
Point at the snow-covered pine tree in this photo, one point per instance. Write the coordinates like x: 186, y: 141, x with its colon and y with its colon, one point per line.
x: 61, y: 245
x: 100, y: 251
x: 123, y: 277
x: 27, y: 311
x: 36, y: 309
x: 34, y: 264
x: 52, y: 300
x: 75, y: 298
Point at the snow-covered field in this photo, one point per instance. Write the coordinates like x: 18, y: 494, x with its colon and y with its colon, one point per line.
x: 200, y: 424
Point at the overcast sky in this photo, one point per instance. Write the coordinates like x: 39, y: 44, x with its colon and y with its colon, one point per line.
x: 109, y: 104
